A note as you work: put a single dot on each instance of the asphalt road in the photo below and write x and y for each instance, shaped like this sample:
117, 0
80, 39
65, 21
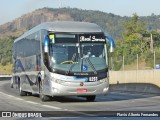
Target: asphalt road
76, 107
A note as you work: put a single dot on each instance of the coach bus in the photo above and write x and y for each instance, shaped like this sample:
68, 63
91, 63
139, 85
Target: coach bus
61, 59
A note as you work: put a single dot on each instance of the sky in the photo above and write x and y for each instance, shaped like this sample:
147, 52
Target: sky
11, 9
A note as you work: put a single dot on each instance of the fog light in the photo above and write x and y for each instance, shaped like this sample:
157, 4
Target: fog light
55, 90
105, 90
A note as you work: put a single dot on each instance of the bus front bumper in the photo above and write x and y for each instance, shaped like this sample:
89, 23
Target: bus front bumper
80, 88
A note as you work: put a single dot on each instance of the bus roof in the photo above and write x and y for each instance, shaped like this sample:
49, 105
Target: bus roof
64, 26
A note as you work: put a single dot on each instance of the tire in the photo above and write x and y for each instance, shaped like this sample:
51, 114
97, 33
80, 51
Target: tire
43, 97
91, 98
11, 85
29, 94
21, 92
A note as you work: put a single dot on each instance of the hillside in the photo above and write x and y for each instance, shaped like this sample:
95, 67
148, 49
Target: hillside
112, 24
109, 22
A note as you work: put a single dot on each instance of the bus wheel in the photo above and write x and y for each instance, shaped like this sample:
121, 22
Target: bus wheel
11, 85
42, 96
91, 98
29, 93
21, 92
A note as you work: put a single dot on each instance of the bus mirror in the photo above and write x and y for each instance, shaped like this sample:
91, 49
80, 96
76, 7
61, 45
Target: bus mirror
46, 43
111, 43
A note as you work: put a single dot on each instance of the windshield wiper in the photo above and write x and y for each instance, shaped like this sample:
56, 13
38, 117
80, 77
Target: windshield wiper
90, 63
92, 66
73, 57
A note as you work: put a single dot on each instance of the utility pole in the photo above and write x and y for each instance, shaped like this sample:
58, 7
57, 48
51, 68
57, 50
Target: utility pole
151, 44
123, 63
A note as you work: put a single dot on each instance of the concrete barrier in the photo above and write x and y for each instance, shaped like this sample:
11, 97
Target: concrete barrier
5, 77
147, 81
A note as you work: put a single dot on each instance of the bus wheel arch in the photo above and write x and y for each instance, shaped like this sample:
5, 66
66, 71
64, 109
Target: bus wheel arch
21, 92
40, 90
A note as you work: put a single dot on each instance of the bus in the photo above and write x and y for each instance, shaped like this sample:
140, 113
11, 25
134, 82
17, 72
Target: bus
61, 58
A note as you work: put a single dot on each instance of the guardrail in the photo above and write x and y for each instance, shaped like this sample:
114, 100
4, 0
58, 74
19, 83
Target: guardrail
5, 77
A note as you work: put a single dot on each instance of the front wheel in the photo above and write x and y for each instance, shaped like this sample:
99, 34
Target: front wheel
41, 95
91, 98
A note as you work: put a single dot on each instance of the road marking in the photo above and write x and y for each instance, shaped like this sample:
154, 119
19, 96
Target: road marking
6, 94
11, 96
35, 103
32, 102
19, 98
57, 108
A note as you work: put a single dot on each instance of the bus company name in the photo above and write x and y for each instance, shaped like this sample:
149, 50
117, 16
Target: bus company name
91, 39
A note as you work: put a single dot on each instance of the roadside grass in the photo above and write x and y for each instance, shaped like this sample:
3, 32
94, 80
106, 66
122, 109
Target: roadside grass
6, 70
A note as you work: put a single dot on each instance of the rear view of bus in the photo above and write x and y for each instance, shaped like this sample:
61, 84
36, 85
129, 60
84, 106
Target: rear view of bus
73, 61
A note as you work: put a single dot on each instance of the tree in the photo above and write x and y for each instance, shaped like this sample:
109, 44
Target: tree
132, 42
133, 35
5, 50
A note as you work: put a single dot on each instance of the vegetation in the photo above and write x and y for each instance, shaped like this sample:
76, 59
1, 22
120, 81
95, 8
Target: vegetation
5, 50
6, 55
7, 69
136, 40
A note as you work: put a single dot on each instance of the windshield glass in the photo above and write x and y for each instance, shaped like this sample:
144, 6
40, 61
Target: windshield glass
77, 53
76, 57
63, 54
93, 50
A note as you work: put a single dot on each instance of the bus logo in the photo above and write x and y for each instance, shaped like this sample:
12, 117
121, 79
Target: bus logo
85, 67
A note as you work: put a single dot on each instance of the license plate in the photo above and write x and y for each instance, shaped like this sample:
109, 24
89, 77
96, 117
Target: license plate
81, 90
93, 79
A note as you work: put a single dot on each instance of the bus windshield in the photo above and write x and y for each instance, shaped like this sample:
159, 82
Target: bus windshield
78, 57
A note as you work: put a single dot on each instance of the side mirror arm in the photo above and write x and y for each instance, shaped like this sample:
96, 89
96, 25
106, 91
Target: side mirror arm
111, 43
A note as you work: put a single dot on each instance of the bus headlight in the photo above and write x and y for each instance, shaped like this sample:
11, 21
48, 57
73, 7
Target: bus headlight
103, 80
58, 81
55, 90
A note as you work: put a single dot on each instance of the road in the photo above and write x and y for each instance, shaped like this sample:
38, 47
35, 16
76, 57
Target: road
114, 101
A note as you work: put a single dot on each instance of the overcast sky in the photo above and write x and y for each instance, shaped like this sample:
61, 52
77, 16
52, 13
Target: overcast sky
11, 9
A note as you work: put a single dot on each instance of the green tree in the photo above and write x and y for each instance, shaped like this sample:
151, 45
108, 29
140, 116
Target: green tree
5, 50
132, 41
133, 36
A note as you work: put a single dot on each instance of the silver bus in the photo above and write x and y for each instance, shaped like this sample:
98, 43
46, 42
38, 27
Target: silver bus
61, 59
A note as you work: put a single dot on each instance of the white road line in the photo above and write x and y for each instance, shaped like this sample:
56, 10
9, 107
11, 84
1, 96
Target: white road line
19, 98
11, 96
53, 107
2, 93
6, 94
32, 102
48, 106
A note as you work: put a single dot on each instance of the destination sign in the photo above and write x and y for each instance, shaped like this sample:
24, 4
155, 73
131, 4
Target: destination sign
75, 38
92, 38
